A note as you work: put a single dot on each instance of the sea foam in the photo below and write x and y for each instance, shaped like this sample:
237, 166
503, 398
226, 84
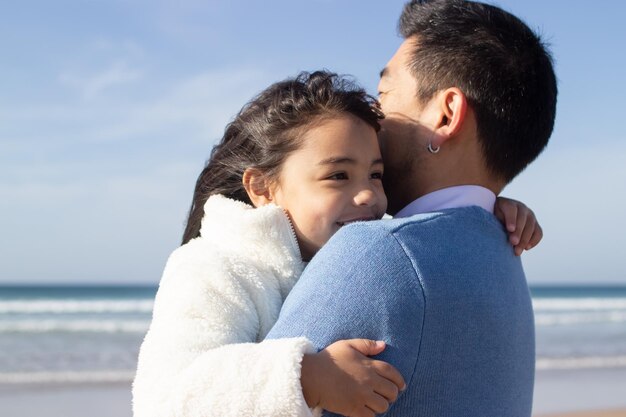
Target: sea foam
581, 362
53, 306
97, 326
14, 378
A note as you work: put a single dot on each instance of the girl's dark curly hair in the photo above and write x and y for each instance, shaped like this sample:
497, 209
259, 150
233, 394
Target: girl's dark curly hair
269, 128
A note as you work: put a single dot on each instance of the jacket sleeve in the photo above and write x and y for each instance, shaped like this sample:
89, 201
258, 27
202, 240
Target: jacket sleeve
195, 359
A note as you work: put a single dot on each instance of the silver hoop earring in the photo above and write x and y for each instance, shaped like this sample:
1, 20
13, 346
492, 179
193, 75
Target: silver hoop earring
430, 148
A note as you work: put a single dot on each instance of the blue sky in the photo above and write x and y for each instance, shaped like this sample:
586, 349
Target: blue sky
108, 110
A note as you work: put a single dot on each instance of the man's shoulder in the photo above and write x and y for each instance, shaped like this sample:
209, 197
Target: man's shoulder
363, 248
389, 226
383, 239
424, 223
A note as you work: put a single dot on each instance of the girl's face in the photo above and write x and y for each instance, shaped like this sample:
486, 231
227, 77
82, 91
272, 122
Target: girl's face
335, 178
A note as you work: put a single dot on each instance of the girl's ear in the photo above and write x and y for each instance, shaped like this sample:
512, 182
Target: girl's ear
257, 187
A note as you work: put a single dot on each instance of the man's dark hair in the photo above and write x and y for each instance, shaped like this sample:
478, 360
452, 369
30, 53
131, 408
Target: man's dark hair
500, 64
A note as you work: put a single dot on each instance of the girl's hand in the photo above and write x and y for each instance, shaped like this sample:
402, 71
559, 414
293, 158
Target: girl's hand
344, 380
520, 222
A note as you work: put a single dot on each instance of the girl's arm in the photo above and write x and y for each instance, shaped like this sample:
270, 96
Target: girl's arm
344, 380
521, 223
194, 360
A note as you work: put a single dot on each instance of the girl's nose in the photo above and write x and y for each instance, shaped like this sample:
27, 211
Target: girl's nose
365, 197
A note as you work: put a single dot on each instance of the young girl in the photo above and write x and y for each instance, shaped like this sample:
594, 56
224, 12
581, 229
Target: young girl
298, 162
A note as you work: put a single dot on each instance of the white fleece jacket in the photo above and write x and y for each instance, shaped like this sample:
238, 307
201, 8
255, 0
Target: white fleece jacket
219, 295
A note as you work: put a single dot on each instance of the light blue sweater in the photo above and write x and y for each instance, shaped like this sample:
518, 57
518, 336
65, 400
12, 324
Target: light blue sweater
447, 294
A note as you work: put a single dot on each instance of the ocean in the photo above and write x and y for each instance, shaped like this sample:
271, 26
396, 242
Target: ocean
71, 334
61, 334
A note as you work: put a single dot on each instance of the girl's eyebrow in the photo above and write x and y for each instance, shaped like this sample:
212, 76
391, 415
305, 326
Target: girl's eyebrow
345, 160
336, 160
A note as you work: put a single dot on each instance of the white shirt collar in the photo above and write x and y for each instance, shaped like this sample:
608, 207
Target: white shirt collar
451, 197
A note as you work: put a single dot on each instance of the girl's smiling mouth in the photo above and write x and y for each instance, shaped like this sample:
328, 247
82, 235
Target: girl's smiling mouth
360, 219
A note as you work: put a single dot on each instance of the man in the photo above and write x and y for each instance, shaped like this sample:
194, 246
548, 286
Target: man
470, 100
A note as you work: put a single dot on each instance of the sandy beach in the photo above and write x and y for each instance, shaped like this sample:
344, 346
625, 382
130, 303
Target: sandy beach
566, 393
93, 400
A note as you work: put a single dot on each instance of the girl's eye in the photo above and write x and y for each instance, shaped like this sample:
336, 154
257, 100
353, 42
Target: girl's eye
377, 176
339, 176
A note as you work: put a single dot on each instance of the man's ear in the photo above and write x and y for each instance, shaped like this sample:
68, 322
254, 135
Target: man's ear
257, 187
452, 106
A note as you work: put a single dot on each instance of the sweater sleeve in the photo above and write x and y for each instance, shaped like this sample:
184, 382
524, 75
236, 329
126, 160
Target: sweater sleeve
196, 359
361, 284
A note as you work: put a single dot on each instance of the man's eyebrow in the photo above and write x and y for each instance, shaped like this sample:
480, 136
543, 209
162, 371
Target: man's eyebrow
383, 72
344, 160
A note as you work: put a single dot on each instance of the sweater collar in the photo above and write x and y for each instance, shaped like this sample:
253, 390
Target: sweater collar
451, 197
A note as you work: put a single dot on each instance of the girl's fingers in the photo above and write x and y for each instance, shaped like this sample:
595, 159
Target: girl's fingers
364, 412
377, 403
386, 389
366, 347
506, 211
389, 372
526, 236
535, 238
520, 226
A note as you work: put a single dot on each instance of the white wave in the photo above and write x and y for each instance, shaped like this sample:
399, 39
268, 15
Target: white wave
581, 363
555, 304
76, 306
66, 377
580, 318
98, 326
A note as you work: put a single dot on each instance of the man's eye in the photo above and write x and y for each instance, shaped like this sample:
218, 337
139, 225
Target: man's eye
338, 176
377, 176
